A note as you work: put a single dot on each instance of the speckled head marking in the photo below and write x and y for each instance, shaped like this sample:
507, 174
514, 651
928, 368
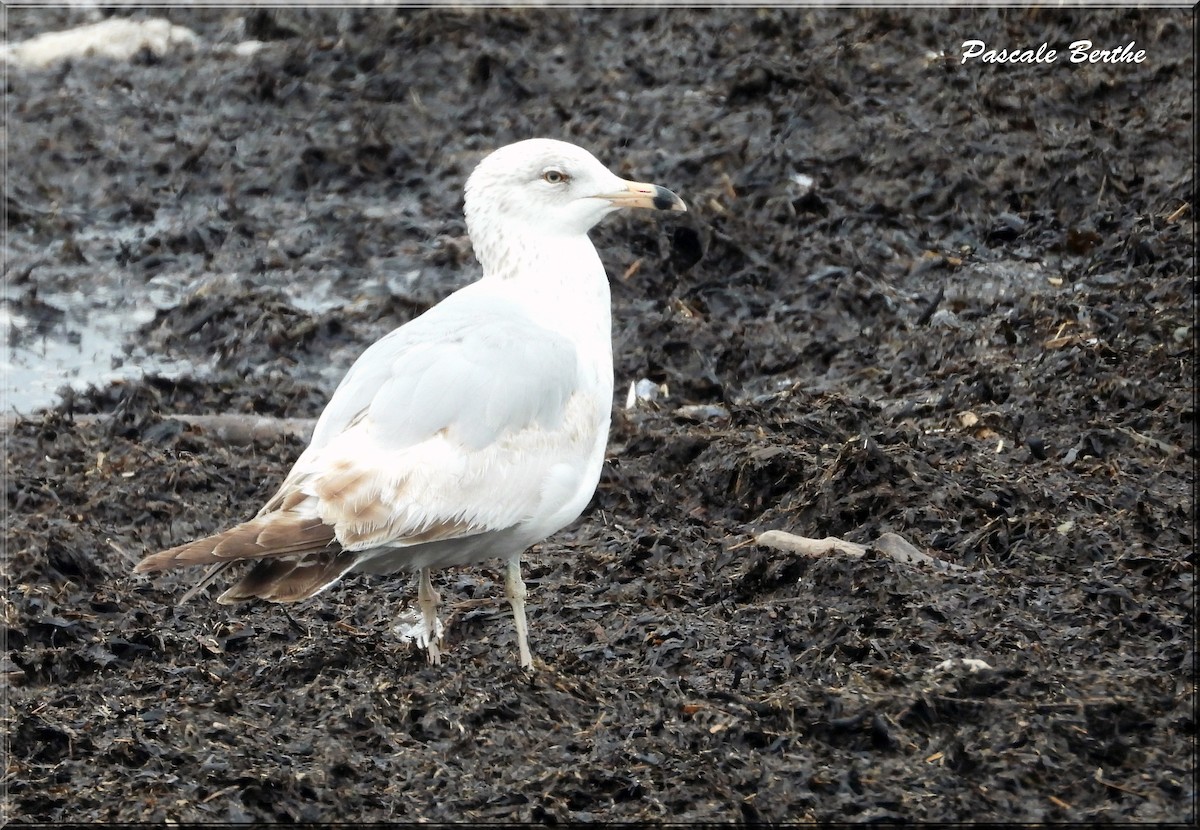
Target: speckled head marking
546, 188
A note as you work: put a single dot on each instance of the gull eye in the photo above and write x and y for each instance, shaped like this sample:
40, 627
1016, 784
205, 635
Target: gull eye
553, 176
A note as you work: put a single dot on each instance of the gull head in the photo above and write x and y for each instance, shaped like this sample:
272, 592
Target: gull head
550, 187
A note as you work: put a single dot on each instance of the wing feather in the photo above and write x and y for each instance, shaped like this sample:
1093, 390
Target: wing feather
409, 447
449, 427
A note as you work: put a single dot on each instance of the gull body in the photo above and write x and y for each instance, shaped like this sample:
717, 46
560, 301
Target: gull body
471, 432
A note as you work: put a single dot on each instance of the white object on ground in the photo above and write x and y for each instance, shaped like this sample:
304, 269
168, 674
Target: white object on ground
971, 664
644, 391
117, 38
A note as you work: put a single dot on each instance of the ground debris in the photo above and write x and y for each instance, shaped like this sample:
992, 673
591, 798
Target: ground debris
890, 544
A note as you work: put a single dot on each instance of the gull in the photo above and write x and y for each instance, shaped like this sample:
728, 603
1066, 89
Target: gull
474, 430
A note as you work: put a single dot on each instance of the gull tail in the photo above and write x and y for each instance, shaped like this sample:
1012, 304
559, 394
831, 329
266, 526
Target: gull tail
294, 558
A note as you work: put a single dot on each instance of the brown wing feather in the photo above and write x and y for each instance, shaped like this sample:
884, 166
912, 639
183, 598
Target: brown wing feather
275, 534
296, 557
286, 580
260, 577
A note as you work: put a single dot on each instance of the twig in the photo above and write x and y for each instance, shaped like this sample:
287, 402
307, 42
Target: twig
1100, 779
233, 428
781, 540
1179, 212
890, 544
1170, 449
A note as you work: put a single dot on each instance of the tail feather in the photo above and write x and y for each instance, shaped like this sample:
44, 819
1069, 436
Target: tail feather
294, 558
272, 535
209, 577
287, 580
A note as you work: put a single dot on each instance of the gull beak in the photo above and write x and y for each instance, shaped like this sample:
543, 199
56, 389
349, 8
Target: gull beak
641, 195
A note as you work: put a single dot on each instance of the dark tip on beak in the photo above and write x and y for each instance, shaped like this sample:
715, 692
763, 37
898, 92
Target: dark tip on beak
666, 200
663, 198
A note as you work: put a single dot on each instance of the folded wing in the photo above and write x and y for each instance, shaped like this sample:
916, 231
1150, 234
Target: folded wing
445, 428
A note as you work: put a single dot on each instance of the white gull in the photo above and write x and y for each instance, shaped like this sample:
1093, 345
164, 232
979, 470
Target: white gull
471, 432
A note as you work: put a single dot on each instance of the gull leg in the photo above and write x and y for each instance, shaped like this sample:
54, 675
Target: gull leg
428, 598
514, 587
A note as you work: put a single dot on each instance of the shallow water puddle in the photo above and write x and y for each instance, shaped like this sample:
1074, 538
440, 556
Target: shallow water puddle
62, 339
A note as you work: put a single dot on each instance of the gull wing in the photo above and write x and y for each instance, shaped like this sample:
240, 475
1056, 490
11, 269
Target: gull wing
450, 426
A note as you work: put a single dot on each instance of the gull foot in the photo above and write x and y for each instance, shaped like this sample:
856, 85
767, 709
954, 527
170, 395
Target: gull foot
412, 627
